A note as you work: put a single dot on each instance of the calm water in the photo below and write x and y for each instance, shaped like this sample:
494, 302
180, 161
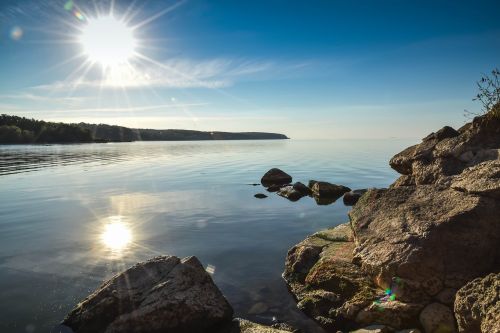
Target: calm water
71, 216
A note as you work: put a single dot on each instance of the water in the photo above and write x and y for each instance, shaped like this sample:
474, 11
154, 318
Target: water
71, 216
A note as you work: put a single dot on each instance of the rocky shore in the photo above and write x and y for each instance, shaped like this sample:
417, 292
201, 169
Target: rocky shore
420, 256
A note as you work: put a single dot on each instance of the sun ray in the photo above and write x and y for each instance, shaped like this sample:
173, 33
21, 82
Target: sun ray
158, 15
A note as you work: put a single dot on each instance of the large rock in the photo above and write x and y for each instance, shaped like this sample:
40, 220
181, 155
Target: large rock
328, 286
419, 241
431, 236
445, 153
477, 305
164, 294
275, 176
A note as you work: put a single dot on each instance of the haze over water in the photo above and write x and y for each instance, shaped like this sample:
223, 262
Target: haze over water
71, 216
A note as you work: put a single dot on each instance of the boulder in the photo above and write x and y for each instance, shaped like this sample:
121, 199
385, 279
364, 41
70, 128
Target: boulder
290, 193
260, 196
445, 154
325, 189
321, 275
164, 294
275, 176
300, 187
350, 198
437, 318
477, 305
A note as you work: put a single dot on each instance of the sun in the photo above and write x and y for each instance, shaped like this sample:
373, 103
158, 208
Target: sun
108, 41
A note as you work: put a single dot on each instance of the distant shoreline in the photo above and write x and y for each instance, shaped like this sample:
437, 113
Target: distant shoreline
20, 130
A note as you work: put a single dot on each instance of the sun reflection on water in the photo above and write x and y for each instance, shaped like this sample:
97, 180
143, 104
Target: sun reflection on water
116, 234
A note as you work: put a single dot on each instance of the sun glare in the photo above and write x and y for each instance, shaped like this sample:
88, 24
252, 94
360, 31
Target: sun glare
108, 41
116, 234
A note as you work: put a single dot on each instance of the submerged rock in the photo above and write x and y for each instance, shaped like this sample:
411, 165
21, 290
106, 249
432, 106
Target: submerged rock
164, 294
275, 176
260, 196
477, 305
350, 198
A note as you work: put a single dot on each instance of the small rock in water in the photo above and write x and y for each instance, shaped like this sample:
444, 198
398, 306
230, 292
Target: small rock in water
260, 196
290, 193
325, 189
350, 198
275, 176
300, 187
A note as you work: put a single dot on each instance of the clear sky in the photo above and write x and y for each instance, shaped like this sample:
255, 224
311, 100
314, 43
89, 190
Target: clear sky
309, 69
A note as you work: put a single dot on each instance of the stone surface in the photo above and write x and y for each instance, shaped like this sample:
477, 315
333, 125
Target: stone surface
164, 294
275, 176
482, 179
290, 193
352, 197
437, 318
427, 235
477, 305
320, 273
260, 196
325, 189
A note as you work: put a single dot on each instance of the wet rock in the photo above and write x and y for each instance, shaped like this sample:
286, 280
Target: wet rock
477, 305
303, 189
350, 198
290, 193
325, 189
275, 176
436, 318
311, 183
164, 294
260, 196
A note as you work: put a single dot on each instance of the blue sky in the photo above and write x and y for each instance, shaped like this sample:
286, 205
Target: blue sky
309, 69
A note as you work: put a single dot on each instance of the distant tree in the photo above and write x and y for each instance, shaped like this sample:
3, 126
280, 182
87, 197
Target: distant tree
489, 94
